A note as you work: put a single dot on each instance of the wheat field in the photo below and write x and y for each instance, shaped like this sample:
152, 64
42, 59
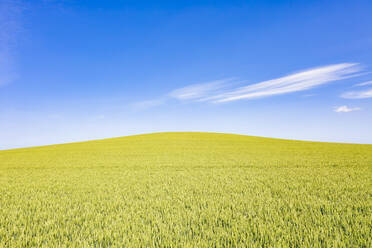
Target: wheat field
187, 190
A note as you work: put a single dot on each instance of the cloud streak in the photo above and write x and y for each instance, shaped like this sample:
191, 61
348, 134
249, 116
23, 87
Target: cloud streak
222, 90
358, 94
194, 92
295, 82
226, 90
363, 84
345, 109
202, 91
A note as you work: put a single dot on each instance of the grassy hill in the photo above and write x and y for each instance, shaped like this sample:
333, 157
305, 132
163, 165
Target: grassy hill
187, 190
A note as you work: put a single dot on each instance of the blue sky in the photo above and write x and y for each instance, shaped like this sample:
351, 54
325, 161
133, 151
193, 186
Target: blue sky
81, 70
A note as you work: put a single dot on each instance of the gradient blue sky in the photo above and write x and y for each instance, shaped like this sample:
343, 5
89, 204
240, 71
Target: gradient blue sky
81, 70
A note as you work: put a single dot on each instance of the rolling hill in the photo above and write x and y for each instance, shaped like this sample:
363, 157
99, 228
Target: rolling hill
187, 190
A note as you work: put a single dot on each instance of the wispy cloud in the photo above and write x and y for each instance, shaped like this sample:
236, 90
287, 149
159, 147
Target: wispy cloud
227, 90
345, 109
193, 92
300, 81
203, 90
9, 28
357, 94
363, 84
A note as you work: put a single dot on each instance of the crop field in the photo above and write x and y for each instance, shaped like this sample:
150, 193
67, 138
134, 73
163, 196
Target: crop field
187, 190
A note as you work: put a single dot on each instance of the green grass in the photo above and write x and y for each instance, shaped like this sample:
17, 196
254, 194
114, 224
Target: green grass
187, 190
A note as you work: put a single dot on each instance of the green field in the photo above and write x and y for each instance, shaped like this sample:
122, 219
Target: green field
187, 190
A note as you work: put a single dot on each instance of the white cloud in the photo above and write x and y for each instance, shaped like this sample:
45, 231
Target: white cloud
364, 84
357, 94
300, 81
225, 90
201, 91
345, 109
193, 92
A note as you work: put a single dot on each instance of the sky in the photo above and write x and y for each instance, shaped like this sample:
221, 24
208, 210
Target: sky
83, 70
